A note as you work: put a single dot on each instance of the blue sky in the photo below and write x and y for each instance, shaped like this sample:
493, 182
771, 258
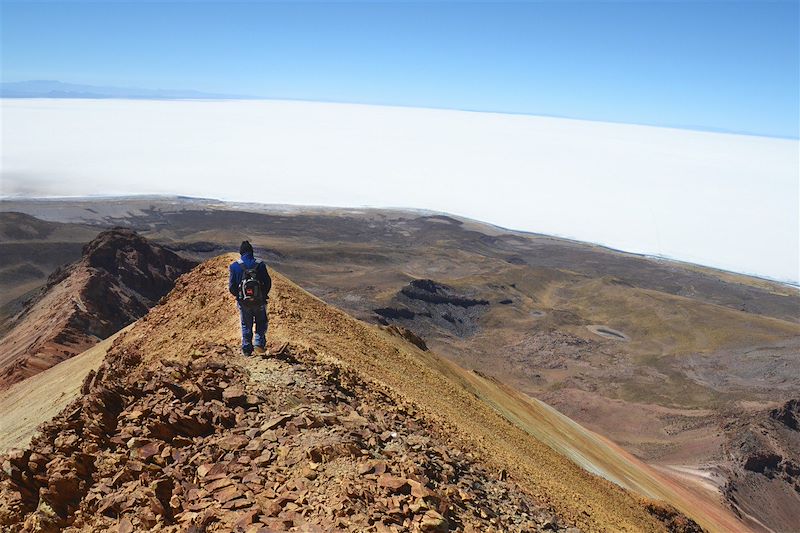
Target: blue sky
725, 66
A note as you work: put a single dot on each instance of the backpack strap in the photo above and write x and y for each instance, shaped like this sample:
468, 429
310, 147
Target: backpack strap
245, 270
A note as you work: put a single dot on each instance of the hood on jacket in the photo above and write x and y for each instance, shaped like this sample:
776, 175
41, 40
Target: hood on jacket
249, 260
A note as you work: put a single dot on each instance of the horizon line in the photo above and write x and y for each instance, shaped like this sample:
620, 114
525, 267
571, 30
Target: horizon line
232, 97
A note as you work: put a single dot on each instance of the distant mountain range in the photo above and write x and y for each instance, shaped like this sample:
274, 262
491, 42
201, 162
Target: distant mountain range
58, 89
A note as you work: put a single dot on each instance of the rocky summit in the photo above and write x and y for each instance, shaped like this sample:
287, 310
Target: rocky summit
119, 277
342, 426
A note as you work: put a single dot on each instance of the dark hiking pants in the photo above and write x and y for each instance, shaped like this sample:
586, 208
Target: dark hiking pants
249, 316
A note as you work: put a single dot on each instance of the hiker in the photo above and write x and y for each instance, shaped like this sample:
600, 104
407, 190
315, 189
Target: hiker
250, 283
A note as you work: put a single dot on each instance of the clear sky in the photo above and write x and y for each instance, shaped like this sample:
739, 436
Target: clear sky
725, 65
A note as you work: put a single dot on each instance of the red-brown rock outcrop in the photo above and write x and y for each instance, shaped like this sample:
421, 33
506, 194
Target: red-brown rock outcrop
118, 278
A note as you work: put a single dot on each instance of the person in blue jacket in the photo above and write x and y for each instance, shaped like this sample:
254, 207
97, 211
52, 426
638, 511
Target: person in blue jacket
253, 304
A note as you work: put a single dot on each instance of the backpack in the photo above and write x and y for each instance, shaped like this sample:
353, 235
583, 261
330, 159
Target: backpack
251, 293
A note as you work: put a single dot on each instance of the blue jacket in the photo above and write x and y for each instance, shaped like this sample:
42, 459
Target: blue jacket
236, 272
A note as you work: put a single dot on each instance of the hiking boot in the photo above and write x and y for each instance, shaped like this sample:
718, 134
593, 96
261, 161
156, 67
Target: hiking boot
260, 350
247, 352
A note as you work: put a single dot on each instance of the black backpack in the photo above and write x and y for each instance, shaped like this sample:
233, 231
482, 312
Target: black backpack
251, 293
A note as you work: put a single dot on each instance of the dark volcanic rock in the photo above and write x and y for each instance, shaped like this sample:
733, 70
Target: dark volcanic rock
763, 475
762, 462
788, 414
395, 312
430, 291
426, 306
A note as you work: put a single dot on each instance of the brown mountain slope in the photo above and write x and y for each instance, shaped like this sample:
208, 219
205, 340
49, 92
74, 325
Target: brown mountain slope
436, 427
118, 278
282, 443
31, 249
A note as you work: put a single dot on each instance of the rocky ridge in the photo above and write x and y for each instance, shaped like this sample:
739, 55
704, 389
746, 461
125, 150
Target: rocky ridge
119, 277
283, 443
763, 471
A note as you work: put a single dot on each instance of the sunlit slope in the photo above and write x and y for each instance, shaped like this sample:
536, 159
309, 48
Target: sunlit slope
595, 453
39, 398
200, 313
655, 321
665, 323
